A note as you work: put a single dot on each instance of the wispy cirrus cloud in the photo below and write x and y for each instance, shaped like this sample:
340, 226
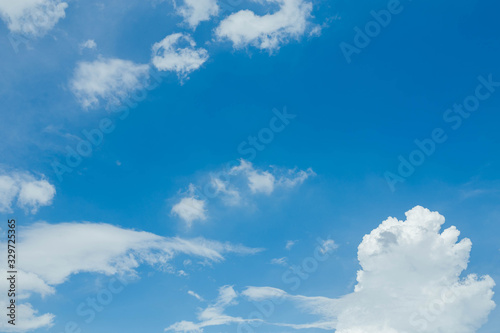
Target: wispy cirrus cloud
283, 261
49, 259
290, 244
195, 295
266, 181
107, 249
213, 315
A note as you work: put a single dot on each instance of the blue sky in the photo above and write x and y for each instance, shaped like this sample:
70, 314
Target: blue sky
177, 92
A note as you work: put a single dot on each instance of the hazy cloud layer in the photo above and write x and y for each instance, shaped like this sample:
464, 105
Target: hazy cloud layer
107, 81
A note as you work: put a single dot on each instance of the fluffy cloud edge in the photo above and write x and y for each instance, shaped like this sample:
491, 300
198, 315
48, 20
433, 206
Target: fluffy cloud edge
196, 11
268, 32
25, 190
32, 18
178, 53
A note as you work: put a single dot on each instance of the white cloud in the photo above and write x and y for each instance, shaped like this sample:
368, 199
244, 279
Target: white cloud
32, 17
327, 246
27, 318
410, 282
213, 315
108, 80
196, 11
280, 261
293, 177
263, 181
290, 244
190, 208
34, 194
229, 195
409, 267
31, 193
262, 293
8, 191
103, 248
270, 31
234, 186
178, 53
88, 44
51, 253
33, 284
195, 295
323, 307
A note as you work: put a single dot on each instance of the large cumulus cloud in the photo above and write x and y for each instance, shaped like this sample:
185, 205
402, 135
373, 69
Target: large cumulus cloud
411, 281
